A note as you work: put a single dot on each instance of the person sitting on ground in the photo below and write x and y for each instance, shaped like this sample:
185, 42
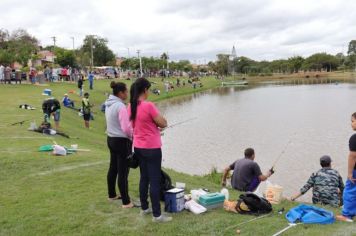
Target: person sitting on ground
247, 174
67, 102
327, 185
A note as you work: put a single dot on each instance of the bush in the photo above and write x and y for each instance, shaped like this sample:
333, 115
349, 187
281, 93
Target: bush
214, 176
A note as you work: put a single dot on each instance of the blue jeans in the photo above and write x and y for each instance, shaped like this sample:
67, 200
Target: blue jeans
150, 161
349, 197
91, 84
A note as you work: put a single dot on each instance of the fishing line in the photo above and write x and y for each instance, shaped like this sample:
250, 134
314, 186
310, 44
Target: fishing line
182, 122
283, 151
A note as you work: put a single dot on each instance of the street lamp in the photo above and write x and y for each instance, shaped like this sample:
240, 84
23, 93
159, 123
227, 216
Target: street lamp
138, 55
72, 42
128, 53
91, 51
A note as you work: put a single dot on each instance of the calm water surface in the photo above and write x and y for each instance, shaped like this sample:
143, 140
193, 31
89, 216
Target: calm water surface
316, 118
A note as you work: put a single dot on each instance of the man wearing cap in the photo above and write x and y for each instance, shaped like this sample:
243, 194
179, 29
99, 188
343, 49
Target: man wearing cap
327, 185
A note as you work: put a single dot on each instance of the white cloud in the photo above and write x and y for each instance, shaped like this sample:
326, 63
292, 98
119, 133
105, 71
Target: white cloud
260, 29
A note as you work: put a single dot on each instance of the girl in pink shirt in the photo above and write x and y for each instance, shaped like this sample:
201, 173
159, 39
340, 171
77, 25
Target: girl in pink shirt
147, 122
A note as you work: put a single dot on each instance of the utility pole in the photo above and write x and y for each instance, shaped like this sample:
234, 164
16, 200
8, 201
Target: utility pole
167, 62
128, 53
54, 41
138, 55
92, 54
72, 42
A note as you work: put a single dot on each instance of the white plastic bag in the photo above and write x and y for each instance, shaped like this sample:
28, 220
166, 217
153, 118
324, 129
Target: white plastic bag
59, 150
194, 207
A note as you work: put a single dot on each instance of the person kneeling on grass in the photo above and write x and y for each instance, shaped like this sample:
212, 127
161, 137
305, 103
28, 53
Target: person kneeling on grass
326, 183
247, 174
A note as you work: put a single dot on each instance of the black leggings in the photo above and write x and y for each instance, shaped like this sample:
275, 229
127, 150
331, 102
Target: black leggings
150, 161
119, 150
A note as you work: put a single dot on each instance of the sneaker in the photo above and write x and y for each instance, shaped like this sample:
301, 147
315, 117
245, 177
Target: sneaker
162, 219
344, 219
145, 212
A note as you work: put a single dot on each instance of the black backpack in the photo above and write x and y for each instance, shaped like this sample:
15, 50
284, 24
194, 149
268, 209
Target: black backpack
166, 184
250, 203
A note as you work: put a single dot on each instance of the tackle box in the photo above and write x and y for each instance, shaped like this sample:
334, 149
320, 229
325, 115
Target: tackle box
212, 200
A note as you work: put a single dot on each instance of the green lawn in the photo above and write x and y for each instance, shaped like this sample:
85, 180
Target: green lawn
48, 195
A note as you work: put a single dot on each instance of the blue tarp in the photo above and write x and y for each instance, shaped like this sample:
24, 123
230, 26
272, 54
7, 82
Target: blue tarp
310, 215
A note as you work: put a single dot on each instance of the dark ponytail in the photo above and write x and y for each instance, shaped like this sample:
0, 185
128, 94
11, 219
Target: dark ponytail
117, 87
136, 90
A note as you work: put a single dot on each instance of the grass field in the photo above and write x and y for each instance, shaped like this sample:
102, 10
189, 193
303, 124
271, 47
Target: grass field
50, 195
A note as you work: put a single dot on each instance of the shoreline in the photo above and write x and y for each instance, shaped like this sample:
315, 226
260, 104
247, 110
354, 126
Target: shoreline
52, 200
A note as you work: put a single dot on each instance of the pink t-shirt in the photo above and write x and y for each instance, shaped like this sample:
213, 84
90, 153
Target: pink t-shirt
146, 133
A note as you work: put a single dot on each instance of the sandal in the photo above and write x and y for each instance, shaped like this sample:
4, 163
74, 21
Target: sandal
114, 198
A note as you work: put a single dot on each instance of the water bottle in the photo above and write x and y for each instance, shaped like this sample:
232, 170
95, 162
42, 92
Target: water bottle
225, 191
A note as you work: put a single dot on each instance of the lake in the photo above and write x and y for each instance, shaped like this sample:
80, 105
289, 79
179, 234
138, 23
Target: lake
313, 119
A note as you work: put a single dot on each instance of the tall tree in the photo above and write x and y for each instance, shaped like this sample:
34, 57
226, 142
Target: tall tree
65, 57
18, 46
352, 47
222, 64
102, 54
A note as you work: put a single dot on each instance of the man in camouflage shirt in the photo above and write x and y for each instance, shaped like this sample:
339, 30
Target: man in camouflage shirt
327, 185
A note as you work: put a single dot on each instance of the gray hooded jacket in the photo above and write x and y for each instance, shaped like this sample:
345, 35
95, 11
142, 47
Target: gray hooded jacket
113, 106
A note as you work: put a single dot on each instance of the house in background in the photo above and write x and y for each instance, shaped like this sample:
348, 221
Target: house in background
44, 58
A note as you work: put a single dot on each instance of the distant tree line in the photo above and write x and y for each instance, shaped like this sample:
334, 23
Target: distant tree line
19, 46
226, 65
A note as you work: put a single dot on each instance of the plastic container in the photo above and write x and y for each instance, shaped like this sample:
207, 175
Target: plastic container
194, 207
174, 200
274, 194
212, 200
225, 191
196, 193
47, 92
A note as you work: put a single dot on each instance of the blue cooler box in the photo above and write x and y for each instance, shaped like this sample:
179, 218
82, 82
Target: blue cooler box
212, 200
174, 200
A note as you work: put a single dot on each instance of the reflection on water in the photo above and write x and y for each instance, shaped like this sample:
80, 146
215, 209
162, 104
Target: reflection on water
315, 117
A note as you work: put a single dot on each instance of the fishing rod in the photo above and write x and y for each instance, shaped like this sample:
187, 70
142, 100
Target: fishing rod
248, 221
290, 225
283, 151
175, 124
182, 122
20, 122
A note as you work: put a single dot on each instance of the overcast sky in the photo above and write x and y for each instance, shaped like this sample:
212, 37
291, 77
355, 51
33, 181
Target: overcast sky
191, 29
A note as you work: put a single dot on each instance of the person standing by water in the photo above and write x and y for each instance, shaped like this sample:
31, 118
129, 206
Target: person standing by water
147, 122
119, 131
349, 196
86, 108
